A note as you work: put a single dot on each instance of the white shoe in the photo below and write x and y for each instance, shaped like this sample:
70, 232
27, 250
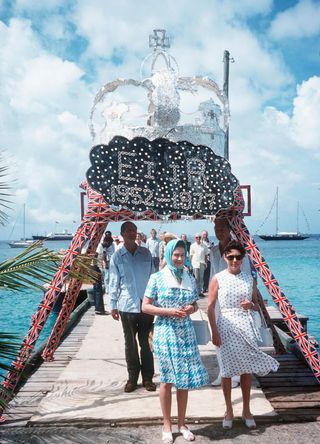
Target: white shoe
216, 382
227, 423
250, 423
187, 434
167, 437
235, 382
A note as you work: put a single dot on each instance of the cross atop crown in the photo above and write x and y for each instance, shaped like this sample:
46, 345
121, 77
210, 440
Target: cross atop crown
159, 39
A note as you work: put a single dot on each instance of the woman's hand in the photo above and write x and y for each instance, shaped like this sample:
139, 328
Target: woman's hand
189, 309
177, 312
246, 305
216, 340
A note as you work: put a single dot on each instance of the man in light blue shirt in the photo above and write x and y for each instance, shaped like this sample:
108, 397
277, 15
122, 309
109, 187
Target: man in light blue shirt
130, 269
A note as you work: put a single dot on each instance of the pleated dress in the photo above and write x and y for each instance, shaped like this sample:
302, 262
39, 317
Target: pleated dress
174, 341
239, 352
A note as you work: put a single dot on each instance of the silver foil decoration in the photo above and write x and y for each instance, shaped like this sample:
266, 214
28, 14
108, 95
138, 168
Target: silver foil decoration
151, 107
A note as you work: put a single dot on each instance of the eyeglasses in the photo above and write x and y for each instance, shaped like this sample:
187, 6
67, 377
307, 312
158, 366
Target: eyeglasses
197, 237
238, 257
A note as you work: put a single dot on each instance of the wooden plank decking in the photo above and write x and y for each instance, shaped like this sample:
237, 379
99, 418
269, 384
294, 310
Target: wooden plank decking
42, 380
293, 391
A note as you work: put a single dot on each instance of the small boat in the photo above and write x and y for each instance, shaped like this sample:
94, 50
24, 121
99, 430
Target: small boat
23, 242
295, 235
283, 236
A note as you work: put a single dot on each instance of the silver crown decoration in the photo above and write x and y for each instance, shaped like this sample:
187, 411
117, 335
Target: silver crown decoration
162, 105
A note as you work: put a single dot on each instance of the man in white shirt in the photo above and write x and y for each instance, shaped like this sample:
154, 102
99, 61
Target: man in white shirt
153, 244
198, 257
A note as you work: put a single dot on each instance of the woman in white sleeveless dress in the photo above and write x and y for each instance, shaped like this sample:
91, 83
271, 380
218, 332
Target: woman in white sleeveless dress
234, 333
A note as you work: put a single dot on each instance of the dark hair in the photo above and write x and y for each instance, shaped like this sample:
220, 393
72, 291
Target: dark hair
181, 244
125, 225
234, 245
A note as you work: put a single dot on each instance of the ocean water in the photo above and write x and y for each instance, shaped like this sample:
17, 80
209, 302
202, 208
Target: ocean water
295, 265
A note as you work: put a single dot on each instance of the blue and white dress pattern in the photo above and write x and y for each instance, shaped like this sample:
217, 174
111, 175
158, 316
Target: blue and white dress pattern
239, 352
174, 341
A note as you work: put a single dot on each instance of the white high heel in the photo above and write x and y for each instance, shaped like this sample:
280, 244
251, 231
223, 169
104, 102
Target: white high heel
249, 422
227, 423
187, 434
167, 437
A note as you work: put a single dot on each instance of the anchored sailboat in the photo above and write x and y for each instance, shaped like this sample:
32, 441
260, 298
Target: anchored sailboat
295, 235
23, 242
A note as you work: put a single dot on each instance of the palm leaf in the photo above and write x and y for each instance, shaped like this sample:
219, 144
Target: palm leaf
9, 347
36, 265
29, 268
4, 188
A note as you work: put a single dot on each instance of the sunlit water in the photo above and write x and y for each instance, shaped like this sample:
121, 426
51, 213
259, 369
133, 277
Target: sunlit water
295, 265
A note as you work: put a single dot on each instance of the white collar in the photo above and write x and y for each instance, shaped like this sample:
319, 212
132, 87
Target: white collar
172, 282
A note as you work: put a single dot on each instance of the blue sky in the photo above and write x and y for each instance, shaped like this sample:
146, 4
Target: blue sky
55, 56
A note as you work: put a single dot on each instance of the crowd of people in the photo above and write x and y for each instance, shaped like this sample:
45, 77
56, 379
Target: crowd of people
154, 285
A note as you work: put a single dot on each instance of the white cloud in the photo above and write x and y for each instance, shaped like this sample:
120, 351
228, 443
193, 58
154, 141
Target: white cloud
45, 100
306, 112
302, 20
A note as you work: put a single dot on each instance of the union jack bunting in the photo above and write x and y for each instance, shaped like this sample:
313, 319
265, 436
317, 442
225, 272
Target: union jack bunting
283, 304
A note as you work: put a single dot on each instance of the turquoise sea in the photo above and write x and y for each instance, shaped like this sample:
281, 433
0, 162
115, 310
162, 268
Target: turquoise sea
295, 265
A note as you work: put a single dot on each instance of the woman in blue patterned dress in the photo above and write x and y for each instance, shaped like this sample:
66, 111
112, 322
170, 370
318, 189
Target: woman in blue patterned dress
171, 295
234, 333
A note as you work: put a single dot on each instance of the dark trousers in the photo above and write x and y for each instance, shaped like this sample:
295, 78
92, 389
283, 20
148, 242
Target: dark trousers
140, 324
98, 296
206, 277
156, 262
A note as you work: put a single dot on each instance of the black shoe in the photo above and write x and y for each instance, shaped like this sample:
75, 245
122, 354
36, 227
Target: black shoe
201, 295
130, 386
149, 386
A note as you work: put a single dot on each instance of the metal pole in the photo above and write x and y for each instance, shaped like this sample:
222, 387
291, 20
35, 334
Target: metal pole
226, 63
277, 210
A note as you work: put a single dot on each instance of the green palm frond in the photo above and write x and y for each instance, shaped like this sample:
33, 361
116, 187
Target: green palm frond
9, 347
4, 195
82, 269
29, 268
35, 265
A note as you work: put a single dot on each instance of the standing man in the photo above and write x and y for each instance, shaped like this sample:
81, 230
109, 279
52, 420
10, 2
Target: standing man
105, 250
130, 269
153, 244
206, 277
185, 240
198, 256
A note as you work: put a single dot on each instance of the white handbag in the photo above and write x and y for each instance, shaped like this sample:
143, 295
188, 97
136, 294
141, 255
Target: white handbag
201, 329
263, 329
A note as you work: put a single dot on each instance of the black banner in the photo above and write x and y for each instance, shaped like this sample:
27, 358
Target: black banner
162, 176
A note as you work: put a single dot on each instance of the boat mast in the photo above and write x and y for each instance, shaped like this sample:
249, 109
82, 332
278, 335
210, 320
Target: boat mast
277, 210
298, 209
24, 221
226, 63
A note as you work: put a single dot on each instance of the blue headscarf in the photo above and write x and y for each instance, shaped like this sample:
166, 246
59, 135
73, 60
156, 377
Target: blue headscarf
168, 252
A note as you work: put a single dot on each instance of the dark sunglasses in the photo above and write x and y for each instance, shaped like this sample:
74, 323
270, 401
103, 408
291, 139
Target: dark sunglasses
231, 257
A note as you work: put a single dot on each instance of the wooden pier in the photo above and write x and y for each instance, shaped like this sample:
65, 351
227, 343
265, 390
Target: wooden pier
84, 385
